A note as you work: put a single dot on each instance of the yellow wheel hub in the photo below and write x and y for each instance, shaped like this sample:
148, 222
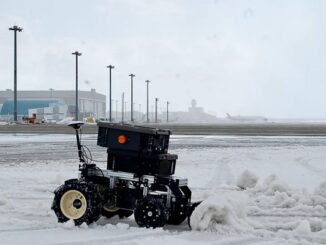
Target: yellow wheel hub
73, 204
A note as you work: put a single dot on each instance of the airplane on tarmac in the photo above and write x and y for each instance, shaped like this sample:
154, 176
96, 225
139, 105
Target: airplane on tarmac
247, 118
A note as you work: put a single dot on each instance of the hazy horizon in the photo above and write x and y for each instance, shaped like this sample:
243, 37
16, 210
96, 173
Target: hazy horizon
240, 57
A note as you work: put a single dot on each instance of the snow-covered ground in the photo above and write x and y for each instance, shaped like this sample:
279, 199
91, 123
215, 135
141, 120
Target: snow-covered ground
257, 190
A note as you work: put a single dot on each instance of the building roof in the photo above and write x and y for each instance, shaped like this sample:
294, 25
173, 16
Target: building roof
67, 95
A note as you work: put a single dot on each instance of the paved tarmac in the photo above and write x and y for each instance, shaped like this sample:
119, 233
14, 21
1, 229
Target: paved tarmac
258, 129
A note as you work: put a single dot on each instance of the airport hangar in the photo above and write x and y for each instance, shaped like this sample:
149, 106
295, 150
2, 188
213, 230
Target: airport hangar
53, 104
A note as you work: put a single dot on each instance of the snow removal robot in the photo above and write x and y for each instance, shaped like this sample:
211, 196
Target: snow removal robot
138, 180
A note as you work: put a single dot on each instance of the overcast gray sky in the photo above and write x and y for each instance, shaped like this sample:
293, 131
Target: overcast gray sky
248, 57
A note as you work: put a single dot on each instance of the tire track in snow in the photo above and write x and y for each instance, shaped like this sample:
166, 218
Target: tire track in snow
222, 173
305, 162
60, 236
242, 241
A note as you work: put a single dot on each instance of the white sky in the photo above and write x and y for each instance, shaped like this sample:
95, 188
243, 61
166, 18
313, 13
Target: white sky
249, 57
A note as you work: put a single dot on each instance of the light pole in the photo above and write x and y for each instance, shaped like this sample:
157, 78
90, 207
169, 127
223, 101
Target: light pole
15, 29
125, 109
76, 53
147, 81
161, 116
110, 110
132, 97
156, 100
116, 109
167, 111
122, 106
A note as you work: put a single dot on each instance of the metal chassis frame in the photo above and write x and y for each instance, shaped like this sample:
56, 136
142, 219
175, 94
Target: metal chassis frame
145, 180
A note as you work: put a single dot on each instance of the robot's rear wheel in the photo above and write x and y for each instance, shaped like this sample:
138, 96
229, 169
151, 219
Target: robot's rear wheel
79, 201
150, 212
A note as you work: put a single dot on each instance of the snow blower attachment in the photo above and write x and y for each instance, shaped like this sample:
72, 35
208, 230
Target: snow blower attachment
138, 180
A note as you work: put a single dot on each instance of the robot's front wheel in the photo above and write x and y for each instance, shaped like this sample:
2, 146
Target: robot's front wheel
178, 215
78, 201
150, 212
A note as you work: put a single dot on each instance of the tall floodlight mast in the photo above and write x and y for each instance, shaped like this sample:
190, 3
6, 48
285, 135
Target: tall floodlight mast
122, 106
132, 97
76, 53
167, 111
15, 29
110, 93
147, 118
156, 100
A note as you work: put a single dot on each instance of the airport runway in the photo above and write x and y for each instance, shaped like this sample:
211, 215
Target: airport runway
258, 129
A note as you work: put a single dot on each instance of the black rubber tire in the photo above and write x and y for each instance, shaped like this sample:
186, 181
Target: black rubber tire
150, 212
92, 201
121, 212
178, 216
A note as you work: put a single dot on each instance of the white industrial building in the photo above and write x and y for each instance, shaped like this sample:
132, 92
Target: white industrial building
53, 104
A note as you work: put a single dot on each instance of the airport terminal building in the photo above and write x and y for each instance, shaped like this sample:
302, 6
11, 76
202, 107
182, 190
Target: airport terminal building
53, 104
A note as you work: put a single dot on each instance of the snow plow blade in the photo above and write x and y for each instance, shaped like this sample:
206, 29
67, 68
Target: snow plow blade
194, 205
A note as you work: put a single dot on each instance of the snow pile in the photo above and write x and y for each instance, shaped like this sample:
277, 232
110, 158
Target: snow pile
317, 224
275, 197
321, 189
70, 225
272, 185
247, 180
317, 202
298, 212
303, 228
224, 213
284, 200
307, 229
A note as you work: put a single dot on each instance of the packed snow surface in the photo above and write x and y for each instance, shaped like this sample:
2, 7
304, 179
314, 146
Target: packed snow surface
255, 190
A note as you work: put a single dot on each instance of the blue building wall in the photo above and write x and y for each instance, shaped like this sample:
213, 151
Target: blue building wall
24, 105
